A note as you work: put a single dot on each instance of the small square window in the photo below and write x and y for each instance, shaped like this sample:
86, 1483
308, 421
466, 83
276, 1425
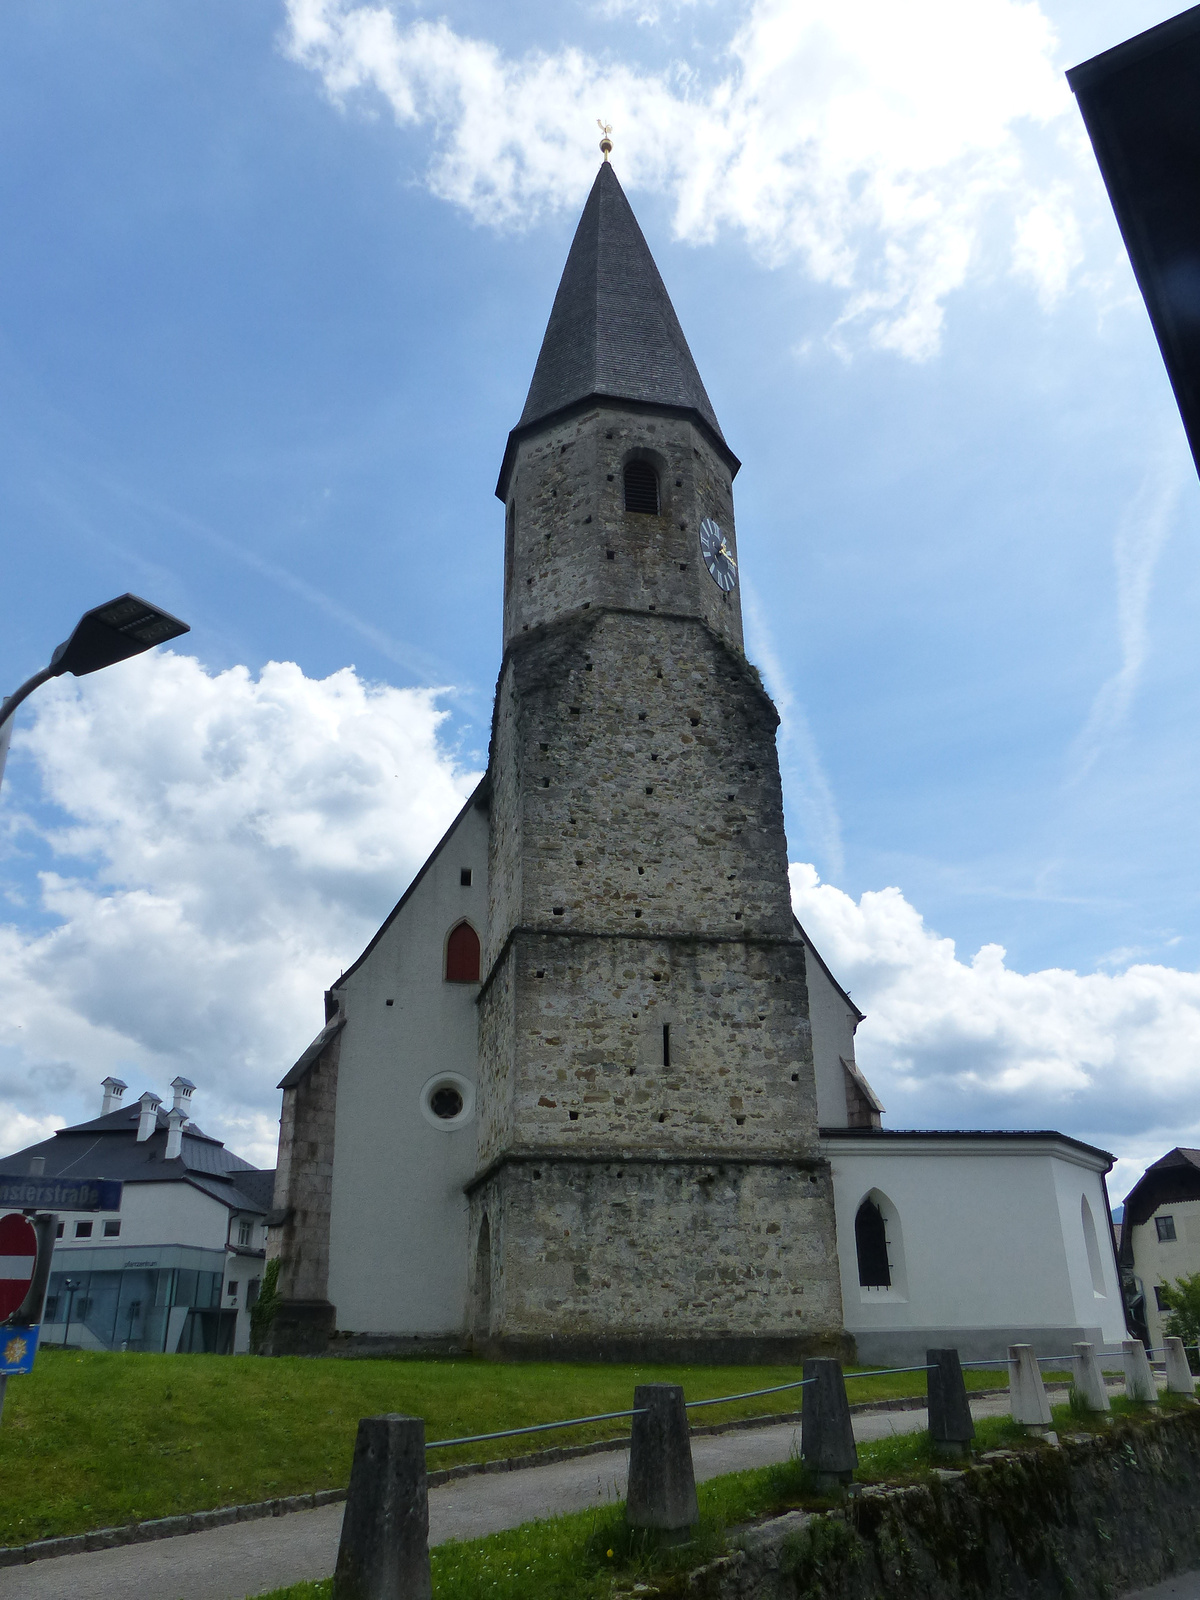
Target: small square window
1158, 1298
1165, 1228
58, 1232
83, 1230
231, 1291
464, 877
112, 1230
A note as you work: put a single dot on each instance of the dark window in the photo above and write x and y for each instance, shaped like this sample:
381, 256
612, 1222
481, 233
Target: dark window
231, 1290
462, 955
112, 1230
50, 1309
83, 1230
446, 1102
58, 1232
464, 877
1165, 1228
641, 488
1158, 1298
870, 1240
666, 1044
252, 1288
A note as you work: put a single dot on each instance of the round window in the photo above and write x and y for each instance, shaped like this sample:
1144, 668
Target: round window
448, 1100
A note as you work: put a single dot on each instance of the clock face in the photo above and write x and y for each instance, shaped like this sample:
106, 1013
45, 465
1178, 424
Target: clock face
718, 557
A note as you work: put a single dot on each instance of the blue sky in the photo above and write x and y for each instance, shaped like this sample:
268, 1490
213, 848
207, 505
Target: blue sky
272, 284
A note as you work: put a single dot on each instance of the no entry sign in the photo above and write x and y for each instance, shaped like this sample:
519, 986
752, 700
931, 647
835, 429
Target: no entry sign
18, 1257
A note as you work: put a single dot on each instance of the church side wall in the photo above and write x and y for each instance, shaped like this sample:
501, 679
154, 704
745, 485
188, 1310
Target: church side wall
832, 1040
980, 1247
398, 1224
1101, 1302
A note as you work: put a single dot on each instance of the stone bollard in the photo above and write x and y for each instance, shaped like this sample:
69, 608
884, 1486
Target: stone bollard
1139, 1380
1089, 1380
661, 1492
1027, 1392
951, 1427
384, 1553
1179, 1374
826, 1434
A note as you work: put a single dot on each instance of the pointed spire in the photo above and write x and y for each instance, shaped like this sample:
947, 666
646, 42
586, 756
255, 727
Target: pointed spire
613, 331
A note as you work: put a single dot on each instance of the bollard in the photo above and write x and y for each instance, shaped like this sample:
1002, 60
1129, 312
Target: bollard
1139, 1380
826, 1434
1179, 1374
661, 1492
951, 1427
384, 1553
1027, 1392
1089, 1380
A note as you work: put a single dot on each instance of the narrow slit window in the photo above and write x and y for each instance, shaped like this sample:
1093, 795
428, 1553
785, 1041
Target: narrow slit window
666, 1044
641, 488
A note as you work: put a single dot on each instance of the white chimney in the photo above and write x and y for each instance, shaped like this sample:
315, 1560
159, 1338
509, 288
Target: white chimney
175, 1122
37, 1166
113, 1090
148, 1115
184, 1089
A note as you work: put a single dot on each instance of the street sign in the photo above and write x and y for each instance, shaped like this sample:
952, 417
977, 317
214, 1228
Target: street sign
61, 1194
18, 1257
18, 1346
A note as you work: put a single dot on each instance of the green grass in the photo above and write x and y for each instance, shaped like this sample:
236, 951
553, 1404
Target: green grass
91, 1439
591, 1555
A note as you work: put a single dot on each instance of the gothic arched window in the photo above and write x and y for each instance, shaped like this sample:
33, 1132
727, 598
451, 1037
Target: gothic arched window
870, 1241
462, 955
641, 488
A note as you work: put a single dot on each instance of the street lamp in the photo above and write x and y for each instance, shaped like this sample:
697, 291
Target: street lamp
72, 1286
107, 634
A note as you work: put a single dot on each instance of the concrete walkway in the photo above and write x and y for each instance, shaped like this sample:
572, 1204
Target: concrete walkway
248, 1558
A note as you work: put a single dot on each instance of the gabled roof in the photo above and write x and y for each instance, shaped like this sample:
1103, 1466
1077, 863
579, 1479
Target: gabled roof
613, 333
1173, 1177
108, 1147
861, 1016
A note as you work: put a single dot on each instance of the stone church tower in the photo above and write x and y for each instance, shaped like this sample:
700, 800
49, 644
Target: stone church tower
649, 1180
565, 1101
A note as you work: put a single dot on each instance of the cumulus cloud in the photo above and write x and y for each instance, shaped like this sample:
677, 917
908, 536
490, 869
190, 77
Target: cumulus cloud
881, 148
227, 845
1109, 1057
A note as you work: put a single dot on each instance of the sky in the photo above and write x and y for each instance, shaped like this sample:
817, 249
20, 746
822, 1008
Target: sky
273, 278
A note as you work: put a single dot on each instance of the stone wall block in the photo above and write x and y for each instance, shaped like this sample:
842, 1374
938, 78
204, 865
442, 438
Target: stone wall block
661, 1492
826, 1434
1089, 1380
1027, 1392
1179, 1374
384, 1550
951, 1426
1139, 1379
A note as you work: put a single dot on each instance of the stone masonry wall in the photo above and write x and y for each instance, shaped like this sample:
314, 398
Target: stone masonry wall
570, 541
304, 1180
711, 1260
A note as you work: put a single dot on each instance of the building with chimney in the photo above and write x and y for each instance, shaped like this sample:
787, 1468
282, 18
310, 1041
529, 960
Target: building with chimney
178, 1267
591, 1091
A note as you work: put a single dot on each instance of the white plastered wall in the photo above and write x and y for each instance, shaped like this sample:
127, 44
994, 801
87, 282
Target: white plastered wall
154, 1214
1158, 1261
398, 1244
989, 1241
833, 1022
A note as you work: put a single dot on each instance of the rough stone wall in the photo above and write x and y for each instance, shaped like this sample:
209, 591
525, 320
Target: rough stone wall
571, 542
1096, 1516
717, 1260
304, 1180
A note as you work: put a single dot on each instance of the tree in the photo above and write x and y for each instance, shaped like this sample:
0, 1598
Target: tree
262, 1312
1183, 1300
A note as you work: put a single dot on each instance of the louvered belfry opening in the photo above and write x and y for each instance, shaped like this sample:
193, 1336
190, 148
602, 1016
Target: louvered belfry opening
641, 488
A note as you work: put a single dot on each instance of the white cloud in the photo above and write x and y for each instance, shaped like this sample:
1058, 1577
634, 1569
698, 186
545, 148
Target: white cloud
882, 148
228, 846
1109, 1057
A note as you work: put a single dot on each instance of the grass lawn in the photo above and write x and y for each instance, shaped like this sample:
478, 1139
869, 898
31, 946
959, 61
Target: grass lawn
92, 1439
590, 1555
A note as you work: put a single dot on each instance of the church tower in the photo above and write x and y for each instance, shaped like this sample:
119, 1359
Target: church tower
648, 1180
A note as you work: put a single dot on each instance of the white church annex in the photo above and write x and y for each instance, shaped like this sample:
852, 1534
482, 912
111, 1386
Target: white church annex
591, 1091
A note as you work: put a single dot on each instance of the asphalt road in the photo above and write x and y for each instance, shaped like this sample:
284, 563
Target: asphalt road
249, 1558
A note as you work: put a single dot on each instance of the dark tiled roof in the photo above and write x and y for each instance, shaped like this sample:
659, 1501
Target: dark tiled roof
1173, 1177
108, 1147
886, 1135
613, 332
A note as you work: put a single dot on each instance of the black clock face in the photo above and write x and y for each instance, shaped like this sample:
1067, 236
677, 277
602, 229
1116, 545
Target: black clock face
718, 557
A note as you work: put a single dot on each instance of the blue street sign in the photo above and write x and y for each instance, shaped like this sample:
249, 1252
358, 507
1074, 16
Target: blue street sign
60, 1194
18, 1346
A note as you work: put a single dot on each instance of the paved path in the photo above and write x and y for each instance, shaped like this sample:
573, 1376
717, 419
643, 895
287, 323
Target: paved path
1186, 1587
248, 1558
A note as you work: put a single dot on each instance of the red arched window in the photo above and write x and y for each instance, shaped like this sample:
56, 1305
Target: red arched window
462, 955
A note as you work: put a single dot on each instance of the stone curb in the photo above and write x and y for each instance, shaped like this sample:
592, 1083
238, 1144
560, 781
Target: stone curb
17, 1555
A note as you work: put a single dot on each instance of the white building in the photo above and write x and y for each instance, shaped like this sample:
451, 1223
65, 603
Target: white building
1160, 1236
177, 1268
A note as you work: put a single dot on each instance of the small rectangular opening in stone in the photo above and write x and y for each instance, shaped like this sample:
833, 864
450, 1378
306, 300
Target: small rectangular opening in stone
464, 877
666, 1044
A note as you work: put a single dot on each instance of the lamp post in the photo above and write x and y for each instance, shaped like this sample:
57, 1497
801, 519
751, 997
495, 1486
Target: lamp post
72, 1286
107, 634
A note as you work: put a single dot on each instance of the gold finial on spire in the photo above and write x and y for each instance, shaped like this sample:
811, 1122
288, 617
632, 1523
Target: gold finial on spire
606, 142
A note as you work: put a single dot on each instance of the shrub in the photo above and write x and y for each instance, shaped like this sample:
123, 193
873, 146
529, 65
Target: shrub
262, 1312
1183, 1298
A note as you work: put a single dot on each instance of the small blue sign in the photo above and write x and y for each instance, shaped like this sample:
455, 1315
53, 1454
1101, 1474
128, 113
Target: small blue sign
60, 1194
18, 1346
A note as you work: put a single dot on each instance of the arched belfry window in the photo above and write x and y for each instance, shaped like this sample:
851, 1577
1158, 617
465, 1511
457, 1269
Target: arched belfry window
870, 1241
641, 488
462, 955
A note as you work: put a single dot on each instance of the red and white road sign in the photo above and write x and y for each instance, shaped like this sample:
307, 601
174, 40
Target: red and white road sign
18, 1257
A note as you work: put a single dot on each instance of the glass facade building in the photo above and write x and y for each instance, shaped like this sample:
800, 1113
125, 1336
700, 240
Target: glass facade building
165, 1300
